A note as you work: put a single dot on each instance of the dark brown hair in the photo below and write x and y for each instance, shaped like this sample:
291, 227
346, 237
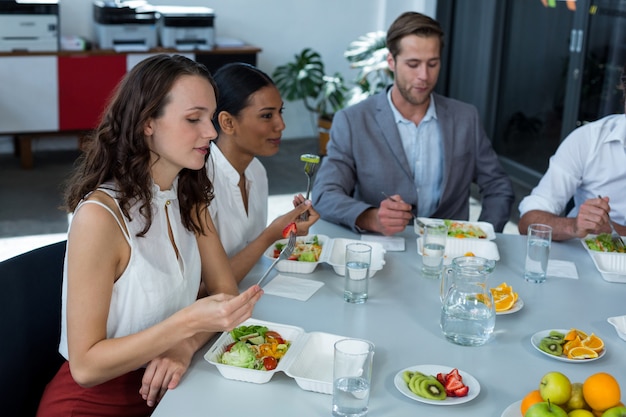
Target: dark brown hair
412, 23
118, 151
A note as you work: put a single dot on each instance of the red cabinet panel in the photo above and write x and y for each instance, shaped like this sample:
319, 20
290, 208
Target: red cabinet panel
85, 84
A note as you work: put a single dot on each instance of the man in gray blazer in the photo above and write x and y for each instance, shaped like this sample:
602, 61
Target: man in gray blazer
419, 148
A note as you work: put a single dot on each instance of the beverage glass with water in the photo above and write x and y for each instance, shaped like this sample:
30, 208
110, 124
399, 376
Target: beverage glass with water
537, 252
433, 248
352, 377
358, 258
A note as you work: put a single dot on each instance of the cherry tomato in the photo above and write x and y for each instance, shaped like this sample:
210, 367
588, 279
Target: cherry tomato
270, 334
276, 253
270, 363
229, 346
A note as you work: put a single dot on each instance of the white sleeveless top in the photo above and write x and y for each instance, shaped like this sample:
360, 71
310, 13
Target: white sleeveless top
155, 283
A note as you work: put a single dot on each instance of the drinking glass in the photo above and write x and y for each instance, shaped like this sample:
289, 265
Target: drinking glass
358, 258
433, 248
352, 377
537, 252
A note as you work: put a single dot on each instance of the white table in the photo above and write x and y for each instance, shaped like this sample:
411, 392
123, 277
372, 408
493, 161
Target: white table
402, 319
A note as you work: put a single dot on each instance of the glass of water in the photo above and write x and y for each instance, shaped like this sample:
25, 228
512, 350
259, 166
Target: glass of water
358, 258
352, 377
433, 248
537, 252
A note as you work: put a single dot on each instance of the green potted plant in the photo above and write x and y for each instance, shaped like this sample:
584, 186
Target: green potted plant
305, 79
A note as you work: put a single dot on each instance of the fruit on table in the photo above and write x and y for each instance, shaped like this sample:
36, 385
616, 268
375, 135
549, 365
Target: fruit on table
503, 297
555, 387
577, 399
545, 409
598, 396
619, 411
579, 412
576, 344
601, 391
437, 387
532, 398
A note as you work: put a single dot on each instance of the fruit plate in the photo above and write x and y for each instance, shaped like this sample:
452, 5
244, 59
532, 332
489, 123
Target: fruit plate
484, 226
536, 339
469, 380
516, 307
513, 410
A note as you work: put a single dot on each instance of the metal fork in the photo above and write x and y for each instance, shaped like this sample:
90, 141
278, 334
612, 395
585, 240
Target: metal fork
311, 163
615, 237
285, 253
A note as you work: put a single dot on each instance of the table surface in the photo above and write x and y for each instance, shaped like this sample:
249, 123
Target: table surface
401, 318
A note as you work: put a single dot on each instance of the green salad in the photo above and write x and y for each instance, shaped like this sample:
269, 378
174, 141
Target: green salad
603, 243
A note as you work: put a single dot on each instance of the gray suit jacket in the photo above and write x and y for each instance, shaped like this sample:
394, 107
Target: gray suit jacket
365, 157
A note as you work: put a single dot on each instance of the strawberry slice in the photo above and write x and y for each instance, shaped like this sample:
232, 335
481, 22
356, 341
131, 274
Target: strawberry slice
291, 227
461, 392
441, 378
455, 374
453, 384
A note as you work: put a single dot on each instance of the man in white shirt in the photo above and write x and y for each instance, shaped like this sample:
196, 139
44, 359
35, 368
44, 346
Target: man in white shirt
590, 166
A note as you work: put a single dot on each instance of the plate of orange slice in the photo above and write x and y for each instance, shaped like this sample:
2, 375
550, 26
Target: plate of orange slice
506, 300
576, 345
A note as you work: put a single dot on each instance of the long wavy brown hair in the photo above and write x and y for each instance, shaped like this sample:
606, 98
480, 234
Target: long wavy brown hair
118, 150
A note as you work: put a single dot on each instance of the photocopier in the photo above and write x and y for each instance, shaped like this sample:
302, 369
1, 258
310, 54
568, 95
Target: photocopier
29, 25
125, 25
186, 28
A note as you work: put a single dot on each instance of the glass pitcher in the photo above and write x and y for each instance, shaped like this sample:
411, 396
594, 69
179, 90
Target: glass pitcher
468, 314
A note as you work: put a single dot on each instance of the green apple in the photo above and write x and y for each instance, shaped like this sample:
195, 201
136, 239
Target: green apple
619, 411
555, 387
580, 413
545, 409
576, 400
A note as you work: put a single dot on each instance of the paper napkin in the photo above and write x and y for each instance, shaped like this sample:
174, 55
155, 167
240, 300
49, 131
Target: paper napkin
390, 243
562, 269
291, 287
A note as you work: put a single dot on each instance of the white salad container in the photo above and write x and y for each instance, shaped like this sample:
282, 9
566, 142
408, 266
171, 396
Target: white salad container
333, 253
309, 359
456, 247
611, 265
485, 226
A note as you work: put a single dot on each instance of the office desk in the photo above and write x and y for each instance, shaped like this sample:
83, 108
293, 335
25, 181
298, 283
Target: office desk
401, 318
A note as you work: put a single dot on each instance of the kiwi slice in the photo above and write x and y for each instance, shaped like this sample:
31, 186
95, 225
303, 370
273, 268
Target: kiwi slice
414, 383
432, 389
551, 346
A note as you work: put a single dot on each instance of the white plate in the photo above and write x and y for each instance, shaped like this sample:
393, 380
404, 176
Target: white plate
470, 381
513, 410
536, 339
516, 307
459, 247
485, 226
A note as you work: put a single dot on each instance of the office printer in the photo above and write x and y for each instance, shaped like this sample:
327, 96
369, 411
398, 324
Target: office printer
125, 25
29, 25
186, 28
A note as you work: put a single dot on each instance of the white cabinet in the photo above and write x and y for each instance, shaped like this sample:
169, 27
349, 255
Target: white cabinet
29, 99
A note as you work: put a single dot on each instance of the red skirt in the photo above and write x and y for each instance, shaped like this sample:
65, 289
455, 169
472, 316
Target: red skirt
115, 398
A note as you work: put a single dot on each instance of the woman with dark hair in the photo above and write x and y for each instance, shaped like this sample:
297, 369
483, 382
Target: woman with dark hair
140, 241
249, 122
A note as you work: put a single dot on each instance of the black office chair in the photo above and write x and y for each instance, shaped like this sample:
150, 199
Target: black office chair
30, 327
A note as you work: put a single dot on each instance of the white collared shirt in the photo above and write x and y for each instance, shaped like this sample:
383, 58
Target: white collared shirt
591, 161
235, 227
424, 150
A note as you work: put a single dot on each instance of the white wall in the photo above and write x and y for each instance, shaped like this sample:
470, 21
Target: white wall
281, 28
